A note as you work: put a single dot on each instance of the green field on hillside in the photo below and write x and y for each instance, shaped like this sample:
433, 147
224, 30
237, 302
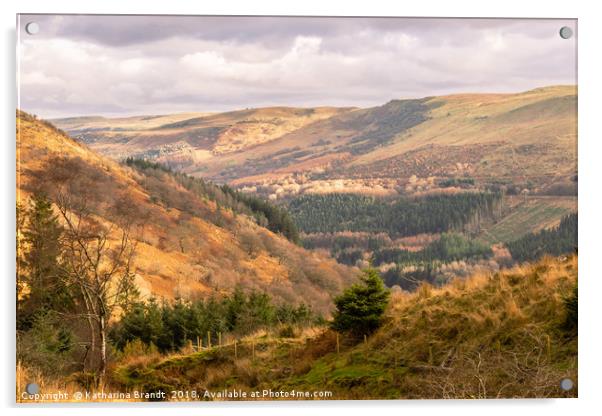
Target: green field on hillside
532, 215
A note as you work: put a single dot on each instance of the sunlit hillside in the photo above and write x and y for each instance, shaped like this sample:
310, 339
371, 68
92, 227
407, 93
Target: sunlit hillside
190, 139
187, 246
503, 335
526, 138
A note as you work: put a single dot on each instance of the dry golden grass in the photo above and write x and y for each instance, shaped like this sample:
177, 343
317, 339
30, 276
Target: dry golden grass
61, 389
489, 336
492, 335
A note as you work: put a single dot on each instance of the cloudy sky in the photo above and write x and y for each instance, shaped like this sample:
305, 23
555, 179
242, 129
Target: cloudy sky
125, 65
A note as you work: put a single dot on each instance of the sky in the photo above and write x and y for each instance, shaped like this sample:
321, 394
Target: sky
126, 65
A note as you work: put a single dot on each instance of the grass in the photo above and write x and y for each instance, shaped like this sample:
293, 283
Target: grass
501, 335
490, 336
67, 387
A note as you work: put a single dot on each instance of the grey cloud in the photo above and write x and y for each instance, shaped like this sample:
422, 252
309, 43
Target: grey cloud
120, 30
150, 64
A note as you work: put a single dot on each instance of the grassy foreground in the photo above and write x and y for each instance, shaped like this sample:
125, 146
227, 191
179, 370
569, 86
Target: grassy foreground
490, 336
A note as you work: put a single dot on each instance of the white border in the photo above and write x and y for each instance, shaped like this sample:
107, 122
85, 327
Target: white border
590, 178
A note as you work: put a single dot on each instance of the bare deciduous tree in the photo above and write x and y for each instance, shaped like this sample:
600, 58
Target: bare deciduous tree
98, 247
98, 266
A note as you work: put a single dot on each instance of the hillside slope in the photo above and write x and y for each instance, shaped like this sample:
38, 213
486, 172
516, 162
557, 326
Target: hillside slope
502, 335
526, 138
187, 245
188, 139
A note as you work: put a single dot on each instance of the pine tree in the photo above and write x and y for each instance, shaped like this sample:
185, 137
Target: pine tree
40, 258
360, 308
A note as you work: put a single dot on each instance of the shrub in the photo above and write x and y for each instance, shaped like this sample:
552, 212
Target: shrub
287, 331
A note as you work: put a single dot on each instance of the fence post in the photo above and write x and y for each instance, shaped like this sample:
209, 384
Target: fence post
198, 344
208, 339
219, 337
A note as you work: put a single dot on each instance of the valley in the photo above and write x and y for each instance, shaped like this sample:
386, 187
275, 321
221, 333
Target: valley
244, 231
520, 147
285, 208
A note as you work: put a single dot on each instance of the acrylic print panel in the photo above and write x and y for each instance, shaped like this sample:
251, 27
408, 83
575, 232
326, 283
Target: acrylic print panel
299, 208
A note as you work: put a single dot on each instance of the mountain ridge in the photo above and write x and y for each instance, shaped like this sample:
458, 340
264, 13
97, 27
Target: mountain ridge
525, 136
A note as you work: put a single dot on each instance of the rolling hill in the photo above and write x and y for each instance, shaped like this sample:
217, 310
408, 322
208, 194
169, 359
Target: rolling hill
188, 139
188, 246
527, 139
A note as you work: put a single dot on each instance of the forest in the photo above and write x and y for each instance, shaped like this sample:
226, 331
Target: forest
268, 215
555, 242
397, 217
417, 239
449, 247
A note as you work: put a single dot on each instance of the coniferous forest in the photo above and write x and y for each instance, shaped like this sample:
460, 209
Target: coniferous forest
396, 217
170, 326
266, 214
554, 242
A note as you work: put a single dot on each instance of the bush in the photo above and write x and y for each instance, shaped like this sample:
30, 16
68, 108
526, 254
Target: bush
287, 331
360, 308
49, 345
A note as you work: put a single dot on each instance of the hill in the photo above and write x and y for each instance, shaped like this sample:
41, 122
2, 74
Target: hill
528, 215
189, 139
191, 241
510, 334
525, 139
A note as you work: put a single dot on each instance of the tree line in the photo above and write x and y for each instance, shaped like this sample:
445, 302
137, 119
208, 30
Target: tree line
170, 326
449, 247
555, 242
273, 217
414, 267
396, 217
